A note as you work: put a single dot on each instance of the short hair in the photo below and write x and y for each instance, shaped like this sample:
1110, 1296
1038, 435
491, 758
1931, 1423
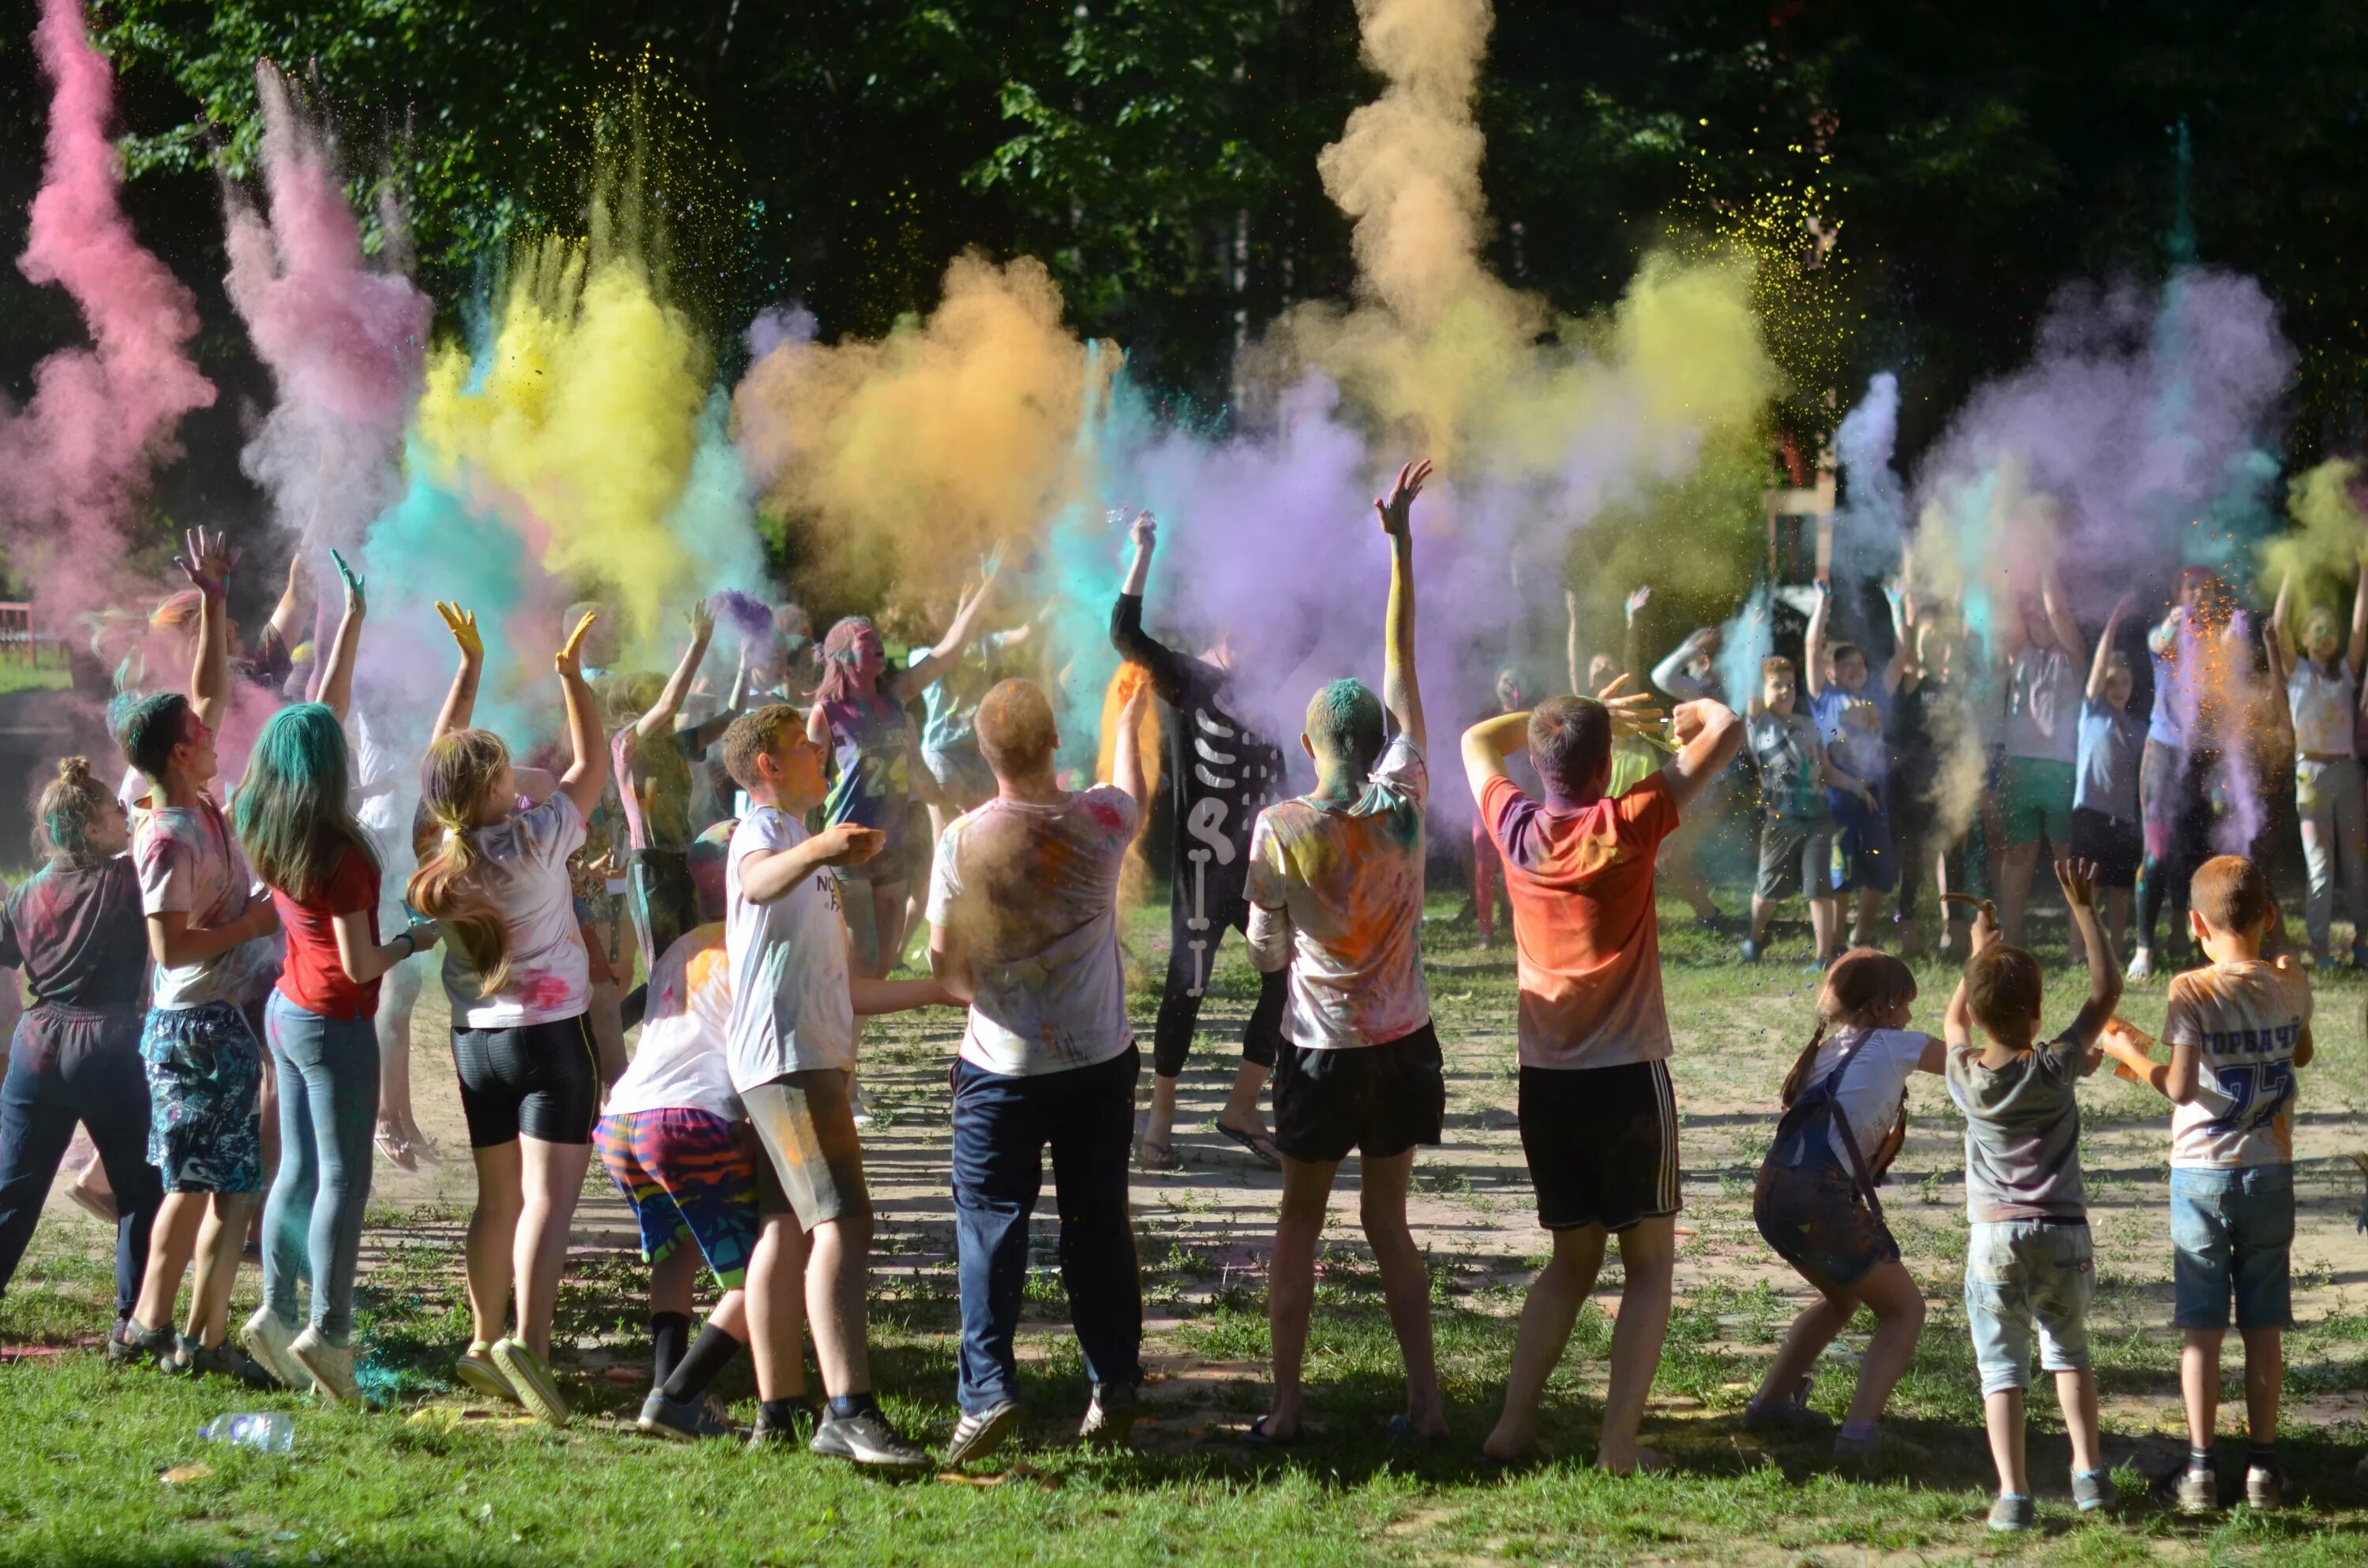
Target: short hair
2231, 894
1836, 651
1570, 741
1344, 720
1775, 664
2002, 991
753, 734
152, 727
2117, 660
1015, 732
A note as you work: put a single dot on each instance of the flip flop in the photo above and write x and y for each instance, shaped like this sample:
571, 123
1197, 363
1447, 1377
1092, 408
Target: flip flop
1159, 1158
1402, 1430
398, 1153
1256, 1437
1258, 1143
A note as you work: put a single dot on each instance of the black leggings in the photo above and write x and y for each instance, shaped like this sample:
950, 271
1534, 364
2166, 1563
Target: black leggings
1193, 938
541, 1080
2176, 791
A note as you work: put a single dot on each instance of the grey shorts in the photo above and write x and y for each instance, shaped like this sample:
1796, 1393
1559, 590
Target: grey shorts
814, 1160
2022, 1275
960, 771
1796, 856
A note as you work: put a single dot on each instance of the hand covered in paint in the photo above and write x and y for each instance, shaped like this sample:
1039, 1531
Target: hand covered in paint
844, 844
1637, 599
1130, 713
568, 660
2128, 1048
424, 934
357, 605
1144, 531
1633, 712
2078, 880
206, 560
463, 624
701, 620
1397, 512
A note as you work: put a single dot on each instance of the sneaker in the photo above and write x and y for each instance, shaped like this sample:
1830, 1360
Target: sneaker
688, 1421
2199, 1491
330, 1367
530, 1382
804, 1418
2265, 1487
1791, 1414
2141, 965
2013, 1513
222, 1361
1750, 951
2093, 1490
975, 1436
475, 1371
865, 1438
131, 1345
267, 1339
1109, 1416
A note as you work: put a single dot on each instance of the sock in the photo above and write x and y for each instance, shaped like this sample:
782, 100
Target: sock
670, 1337
1858, 1431
781, 1414
699, 1365
2198, 1459
2261, 1456
843, 1405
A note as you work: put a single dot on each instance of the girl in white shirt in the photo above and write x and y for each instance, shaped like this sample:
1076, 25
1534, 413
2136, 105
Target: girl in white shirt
2320, 676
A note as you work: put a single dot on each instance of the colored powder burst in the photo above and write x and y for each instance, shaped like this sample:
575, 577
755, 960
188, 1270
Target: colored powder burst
79, 455
752, 616
2322, 551
1744, 644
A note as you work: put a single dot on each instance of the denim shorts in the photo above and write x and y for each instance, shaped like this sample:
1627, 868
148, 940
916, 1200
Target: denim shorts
2231, 1233
1814, 1219
2022, 1274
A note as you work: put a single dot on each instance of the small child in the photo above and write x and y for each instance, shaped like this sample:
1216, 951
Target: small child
2029, 1259
2238, 1029
1796, 842
2106, 820
1845, 1103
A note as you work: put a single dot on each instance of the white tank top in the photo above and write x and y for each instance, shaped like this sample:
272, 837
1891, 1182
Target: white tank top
2323, 706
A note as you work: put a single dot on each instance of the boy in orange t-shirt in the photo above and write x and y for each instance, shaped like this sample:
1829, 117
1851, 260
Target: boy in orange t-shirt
1599, 1123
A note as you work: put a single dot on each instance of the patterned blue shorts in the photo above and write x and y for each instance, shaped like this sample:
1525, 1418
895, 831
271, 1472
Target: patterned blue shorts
205, 1133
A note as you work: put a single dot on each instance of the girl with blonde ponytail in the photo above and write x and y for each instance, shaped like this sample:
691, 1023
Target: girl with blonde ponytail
519, 978
1845, 1113
76, 931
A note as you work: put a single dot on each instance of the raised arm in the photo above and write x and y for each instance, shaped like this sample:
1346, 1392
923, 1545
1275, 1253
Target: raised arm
1708, 734
1904, 671
1671, 674
1163, 663
2357, 649
1487, 744
2059, 613
710, 730
338, 673
207, 562
1570, 638
1126, 753
1957, 1024
1401, 690
908, 683
2102, 661
659, 719
588, 774
2281, 637
2078, 880
460, 701
1631, 655
1813, 656
282, 623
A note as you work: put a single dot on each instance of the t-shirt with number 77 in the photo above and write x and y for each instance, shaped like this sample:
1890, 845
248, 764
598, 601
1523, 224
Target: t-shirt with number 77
2243, 1020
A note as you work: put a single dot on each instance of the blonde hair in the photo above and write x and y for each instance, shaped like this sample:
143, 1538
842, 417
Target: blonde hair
72, 801
453, 781
1860, 981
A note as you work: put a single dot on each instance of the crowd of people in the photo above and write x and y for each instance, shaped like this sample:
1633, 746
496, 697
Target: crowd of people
200, 978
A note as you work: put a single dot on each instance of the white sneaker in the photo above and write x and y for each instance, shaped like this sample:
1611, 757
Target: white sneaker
268, 1340
2141, 964
332, 1366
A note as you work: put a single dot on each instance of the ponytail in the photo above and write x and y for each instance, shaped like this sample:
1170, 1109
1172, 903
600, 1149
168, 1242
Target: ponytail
460, 770
1860, 981
1798, 1078
70, 804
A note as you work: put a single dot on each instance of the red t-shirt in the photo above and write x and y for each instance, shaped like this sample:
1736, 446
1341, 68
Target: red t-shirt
313, 977
1586, 934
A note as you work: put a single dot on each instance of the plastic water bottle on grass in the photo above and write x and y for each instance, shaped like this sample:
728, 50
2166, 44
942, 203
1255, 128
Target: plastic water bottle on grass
269, 1432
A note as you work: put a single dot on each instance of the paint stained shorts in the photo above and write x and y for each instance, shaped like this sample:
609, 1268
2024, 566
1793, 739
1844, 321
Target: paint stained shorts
2027, 1274
814, 1160
1812, 1217
689, 1175
205, 1070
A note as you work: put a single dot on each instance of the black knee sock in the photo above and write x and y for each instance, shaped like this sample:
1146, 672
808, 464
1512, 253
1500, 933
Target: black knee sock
700, 1365
2261, 1456
670, 1334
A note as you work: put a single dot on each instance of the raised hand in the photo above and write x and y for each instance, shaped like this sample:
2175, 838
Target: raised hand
355, 603
1637, 599
1633, 712
463, 624
566, 661
1144, 531
206, 560
2078, 880
1397, 512
701, 620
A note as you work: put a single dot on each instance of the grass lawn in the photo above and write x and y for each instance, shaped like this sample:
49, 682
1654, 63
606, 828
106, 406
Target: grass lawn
99, 1465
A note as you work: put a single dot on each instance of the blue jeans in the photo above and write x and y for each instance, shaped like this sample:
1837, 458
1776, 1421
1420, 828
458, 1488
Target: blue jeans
2026, 1274
69, 1065
2231, 1235
328, 1104
1001, 1127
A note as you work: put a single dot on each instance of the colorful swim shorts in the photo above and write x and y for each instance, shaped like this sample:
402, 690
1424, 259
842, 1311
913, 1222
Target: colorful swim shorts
686, 1173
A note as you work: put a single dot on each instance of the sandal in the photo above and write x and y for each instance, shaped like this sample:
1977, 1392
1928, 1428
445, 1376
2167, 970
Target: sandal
1258, 1143
1258, 1437
1157, 1158
398, 1153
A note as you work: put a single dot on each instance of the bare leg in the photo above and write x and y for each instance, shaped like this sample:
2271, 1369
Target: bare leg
2014, 888
2265, 1373
2002, 1415
2076, 1393
2199, 1383
1870, 915
839, 1282
1820, 1324
674, 1283
1825, 924
731, 1314
1556, 1295
1891, 1294
552, 1179
1241, 1111
1405, 1284
396, 999
171, 1244
1159, 1127
220, 1240
1291, 1283
1648, 1257
776, 1307
1761, 909
888, 920
2117, 918
493, 1232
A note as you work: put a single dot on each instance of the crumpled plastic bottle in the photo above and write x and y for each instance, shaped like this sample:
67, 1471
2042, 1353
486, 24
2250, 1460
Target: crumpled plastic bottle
270, 1431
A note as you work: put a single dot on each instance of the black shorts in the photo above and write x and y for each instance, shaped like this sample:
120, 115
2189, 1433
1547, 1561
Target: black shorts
1377, 1099
542, 1079
2118, 847
1601, 1144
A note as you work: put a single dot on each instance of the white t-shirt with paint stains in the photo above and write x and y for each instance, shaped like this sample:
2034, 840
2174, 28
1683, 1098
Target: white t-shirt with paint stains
521, 865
